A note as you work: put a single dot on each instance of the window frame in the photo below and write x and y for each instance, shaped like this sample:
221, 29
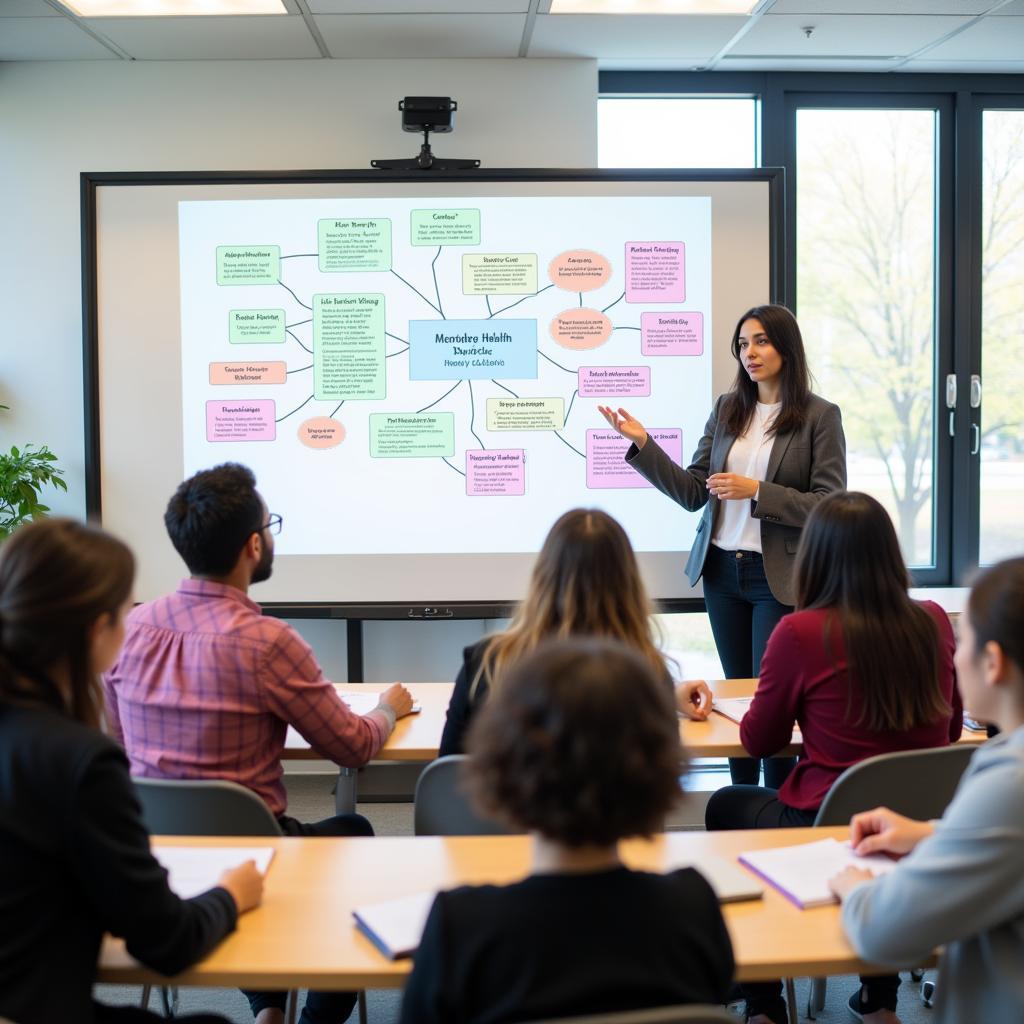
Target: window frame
960, 100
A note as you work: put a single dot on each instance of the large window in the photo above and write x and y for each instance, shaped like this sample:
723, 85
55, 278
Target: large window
1001, 437
866, 271
677, 132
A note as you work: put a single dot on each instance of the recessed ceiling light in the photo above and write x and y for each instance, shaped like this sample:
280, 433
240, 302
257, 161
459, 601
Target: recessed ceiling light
652, 6
170, 8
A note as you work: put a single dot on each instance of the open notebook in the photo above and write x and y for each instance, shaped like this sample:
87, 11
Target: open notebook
192, 870
395, 926
734, 708
801, 872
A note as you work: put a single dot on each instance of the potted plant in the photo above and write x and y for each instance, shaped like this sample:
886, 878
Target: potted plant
24, 472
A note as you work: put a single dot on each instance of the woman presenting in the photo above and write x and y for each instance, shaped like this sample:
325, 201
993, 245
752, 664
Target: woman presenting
771, 450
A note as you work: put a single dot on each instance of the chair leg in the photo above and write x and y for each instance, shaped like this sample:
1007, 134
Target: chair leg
816, 997
169, 997
361, 1000
791, 1010
144, 1000
291, 1006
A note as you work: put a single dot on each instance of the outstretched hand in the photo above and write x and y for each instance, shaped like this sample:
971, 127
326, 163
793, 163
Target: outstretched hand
620, 420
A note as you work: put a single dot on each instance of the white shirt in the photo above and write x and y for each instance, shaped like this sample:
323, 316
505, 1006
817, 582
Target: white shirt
737, 529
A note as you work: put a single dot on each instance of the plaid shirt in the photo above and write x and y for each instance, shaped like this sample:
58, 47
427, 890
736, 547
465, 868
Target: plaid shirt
206, 686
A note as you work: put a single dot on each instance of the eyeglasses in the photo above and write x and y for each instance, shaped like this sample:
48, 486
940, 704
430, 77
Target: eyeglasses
273, 524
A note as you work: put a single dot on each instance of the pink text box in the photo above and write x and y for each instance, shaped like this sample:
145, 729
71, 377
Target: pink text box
614, 381
606, 457
248, 373
241, 420
672, 334
497, 471
655, 272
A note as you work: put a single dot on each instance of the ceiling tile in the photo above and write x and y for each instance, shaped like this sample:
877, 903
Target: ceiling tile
837, 35
814, 64
49, 39
419, 6
966, 67
27, 9
209, 38
690, 40
387, 36
989, 39
1016, 8
969, 8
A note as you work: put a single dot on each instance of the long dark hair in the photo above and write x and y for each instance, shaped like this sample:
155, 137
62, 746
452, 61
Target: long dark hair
57, 578
849, 562
996, 609
784, 333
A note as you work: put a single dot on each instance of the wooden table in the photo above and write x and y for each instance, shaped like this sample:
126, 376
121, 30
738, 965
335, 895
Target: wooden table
720, 737
303, 934
416, 737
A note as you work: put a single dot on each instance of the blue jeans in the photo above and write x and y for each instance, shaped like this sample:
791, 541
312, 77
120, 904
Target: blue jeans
743, 613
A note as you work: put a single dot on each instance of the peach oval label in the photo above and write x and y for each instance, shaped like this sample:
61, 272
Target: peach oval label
581, 328
579, 270
321, 432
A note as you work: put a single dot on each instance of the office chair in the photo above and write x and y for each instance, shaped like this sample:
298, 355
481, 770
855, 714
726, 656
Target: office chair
442, 809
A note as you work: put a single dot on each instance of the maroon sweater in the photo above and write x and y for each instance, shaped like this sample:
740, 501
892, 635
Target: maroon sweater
802, 682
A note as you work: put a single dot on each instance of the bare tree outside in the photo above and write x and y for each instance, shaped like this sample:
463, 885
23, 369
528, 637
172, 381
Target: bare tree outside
1002, 327
866, 297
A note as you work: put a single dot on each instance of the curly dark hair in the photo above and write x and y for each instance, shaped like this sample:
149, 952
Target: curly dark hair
211, 516
580, 744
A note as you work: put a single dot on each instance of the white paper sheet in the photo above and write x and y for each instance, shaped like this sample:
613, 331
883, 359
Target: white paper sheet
192, 870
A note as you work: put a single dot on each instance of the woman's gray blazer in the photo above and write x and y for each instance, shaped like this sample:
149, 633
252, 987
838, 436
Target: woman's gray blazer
804, 465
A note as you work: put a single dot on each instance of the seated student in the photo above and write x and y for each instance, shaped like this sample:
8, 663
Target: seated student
206, 685
961, 885
581, 748
585, 582
863, 670
74, 854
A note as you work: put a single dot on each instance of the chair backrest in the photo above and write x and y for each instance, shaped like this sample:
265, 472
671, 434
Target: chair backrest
692, 1014
915, 783
203, 807
442, 809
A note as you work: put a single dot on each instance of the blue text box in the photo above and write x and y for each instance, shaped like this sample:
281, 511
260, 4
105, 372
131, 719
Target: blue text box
472, 349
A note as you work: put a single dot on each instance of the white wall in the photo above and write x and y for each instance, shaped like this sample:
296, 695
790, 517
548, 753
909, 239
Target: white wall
58, 119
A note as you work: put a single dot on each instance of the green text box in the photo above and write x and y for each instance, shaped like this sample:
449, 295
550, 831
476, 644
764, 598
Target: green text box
419, 435
445, 227
348, 346
525, 413
248, 264
256, 326
500, 273
353, 243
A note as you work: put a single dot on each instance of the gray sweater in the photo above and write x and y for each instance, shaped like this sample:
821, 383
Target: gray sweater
963, 887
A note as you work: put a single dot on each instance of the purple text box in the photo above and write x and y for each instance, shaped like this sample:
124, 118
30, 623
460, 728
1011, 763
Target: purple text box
614, 381
672, 334
655, 272
497, 471
241, 420
606, 457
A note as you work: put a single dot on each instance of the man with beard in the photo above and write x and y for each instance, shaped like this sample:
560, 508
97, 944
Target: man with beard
206, 686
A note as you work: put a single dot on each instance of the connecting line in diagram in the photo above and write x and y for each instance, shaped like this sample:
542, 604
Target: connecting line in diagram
349, 339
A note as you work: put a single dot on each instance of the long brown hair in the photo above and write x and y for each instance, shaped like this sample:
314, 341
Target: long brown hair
849, 562
57, 578
784, 333
585, 582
